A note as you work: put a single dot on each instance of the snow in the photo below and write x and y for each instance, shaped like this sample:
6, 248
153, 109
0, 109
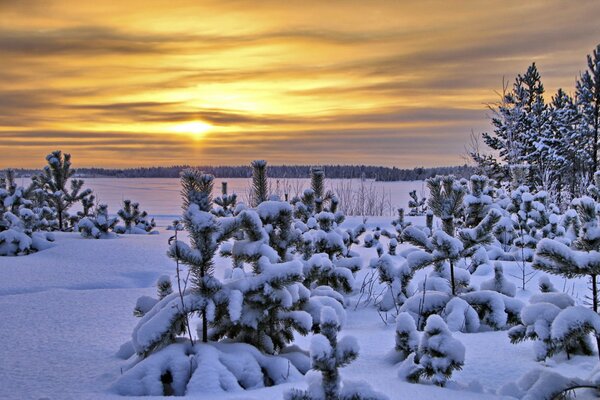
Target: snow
67, 313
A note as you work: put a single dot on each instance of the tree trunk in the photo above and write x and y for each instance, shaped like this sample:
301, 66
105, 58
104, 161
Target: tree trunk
452, 278
595, 307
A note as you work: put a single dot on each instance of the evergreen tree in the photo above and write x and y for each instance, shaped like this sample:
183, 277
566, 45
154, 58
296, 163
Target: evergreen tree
205, 234
130, 213
588, 103
568, 145
443, 248
54, 180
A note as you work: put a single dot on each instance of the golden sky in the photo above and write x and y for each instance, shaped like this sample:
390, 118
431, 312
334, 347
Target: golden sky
132, 83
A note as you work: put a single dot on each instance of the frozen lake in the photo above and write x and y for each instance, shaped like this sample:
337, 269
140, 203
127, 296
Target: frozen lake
161, 198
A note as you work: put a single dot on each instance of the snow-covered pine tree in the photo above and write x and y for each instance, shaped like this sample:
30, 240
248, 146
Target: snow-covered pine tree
439, 354
269, 298
517, 121
328, 354
583, 258
24, 214
99, 225
566, 150
445, 200
129, 213
260, 184
54, 179
276, 217
135, 220
205, 234
588, 104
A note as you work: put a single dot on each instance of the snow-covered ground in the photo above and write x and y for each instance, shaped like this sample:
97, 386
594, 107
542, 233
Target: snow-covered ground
66, 310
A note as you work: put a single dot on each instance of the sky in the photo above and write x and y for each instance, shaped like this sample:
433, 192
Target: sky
395, 83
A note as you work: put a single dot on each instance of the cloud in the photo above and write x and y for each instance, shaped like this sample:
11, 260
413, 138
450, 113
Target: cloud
393, 83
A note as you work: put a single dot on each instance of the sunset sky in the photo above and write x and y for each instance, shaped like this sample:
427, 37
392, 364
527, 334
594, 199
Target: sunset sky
138, 83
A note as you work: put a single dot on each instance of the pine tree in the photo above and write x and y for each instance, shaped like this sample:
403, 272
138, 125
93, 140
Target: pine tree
443, 248
54, 180
205, 233
588, 102
568, 146
259, 182
130, 213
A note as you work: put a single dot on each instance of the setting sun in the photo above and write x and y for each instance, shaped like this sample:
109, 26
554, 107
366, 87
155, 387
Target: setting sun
195, 129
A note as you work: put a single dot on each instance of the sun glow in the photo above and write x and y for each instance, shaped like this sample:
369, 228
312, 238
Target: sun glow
196, 129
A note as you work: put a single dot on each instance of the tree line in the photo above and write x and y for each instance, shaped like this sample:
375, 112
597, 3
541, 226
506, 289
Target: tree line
378, 173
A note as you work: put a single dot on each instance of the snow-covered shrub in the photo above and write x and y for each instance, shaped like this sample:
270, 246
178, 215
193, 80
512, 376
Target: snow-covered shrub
99, 225
443, 248
225, 204
328, 354
571, 329
319, 270
438, 356
583, 258
24, 214
400, 223
209, 368
407, 337
540, 322
135, 221
397, 278
544, 384
418, 206
499, 283
269, 298
145, 303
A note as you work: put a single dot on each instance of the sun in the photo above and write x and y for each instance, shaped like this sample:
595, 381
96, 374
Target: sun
196, 129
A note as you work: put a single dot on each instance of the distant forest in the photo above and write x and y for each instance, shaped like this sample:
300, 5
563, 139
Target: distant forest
277, 171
